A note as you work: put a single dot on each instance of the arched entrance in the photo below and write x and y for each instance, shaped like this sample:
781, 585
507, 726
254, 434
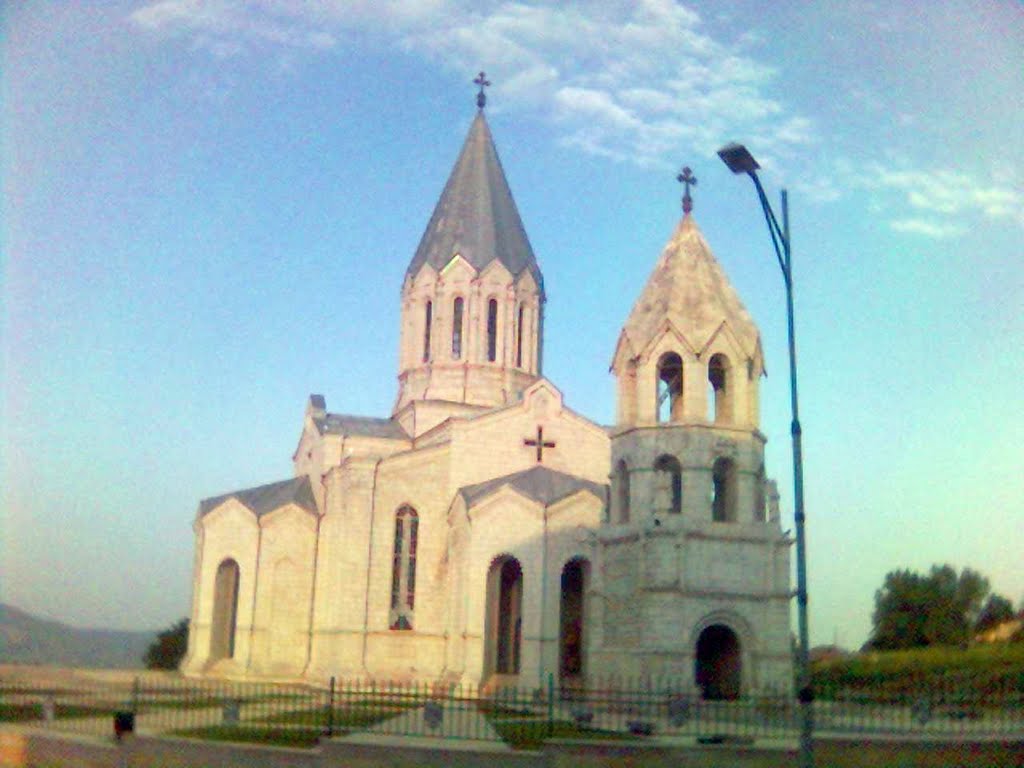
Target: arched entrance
504, 616
719, 665
571, 634
225, 611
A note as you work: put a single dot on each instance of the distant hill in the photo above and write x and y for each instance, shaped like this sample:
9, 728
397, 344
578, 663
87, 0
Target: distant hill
26, 639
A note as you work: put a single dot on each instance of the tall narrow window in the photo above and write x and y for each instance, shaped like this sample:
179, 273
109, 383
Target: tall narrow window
669, 485
403, 569
427, 320
457, 329
492, 330
225, 611
760, 496
719, 396
621, 482
670, 388
723, 491
519, 338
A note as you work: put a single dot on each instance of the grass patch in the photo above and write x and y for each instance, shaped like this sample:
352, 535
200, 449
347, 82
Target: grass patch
17, 713
526, 734
305, 738
490, 709
28, 712
347, 717
979, 673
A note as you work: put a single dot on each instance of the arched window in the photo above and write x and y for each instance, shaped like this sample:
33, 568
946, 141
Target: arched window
403, 569
225, 611
723, 491
457, 329
670, 388
621, 492
668, 485
519, 338
428, 320
719, 394
492, 330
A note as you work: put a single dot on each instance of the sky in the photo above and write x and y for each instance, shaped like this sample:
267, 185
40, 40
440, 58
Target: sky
208, 209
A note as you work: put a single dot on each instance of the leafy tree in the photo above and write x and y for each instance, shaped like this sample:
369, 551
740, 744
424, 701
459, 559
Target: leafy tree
937, 608
996, 610
167, 651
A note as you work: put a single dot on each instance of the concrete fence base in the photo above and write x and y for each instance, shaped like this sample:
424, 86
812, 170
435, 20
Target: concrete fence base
30, 748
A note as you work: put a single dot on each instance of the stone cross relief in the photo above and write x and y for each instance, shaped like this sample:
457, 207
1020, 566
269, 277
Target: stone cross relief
539, 443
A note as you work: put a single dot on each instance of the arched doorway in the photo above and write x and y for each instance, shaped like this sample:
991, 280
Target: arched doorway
225, 611
504, 616
571, 634
719, 665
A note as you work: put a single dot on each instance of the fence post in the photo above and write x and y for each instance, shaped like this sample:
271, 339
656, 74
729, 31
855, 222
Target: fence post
135, 695
330, 709
551, 704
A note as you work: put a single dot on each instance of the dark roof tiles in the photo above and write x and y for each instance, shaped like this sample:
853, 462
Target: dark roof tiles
264, 499
541, 484
363, 426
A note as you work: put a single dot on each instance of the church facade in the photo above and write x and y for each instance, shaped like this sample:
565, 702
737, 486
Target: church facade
486, 533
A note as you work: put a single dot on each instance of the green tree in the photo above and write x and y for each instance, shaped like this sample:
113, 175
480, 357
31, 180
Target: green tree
937, 608
167, 651
996, 610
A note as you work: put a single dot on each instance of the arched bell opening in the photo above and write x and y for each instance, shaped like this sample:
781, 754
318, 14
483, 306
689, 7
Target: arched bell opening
720, 386
669, 405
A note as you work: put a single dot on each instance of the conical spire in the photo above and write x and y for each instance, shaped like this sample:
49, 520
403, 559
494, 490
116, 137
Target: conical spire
476, 216
689, 289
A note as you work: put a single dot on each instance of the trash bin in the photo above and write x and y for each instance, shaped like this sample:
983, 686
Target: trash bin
124, 722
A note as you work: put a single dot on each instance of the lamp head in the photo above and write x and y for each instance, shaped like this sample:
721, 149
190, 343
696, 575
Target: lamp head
738, 159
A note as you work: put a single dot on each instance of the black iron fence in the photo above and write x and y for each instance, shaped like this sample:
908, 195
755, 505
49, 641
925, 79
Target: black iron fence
520, 716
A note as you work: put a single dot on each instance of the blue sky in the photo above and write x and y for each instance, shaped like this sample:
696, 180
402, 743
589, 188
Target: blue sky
208, 208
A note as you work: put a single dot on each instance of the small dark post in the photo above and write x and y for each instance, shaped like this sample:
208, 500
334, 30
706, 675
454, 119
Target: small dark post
330, 709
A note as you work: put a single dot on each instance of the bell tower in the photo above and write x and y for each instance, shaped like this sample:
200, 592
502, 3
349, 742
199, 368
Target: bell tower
473, 296
689, 544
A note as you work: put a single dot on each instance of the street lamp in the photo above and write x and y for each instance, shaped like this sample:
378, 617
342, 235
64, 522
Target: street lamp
739, 160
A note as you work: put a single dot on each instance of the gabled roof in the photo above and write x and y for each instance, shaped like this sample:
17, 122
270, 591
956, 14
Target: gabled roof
543, 485
476, 216
689, 289
363, 426
264, 499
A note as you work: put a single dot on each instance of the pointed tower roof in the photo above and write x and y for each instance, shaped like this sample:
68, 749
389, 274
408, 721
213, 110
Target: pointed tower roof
476, 216
689, 290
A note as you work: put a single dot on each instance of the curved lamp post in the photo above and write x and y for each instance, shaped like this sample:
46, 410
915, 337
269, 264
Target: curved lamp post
739, 160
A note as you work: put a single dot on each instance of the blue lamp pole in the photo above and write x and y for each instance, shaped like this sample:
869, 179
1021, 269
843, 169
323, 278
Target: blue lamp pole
739, 160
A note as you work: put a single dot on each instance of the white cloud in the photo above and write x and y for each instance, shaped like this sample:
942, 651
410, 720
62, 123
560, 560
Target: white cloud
944, 192
938, 230
640, 80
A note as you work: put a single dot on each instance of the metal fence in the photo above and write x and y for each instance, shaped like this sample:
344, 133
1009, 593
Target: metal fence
520, 716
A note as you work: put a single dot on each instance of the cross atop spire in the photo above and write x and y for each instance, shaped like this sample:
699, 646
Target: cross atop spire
481, 97
686, 178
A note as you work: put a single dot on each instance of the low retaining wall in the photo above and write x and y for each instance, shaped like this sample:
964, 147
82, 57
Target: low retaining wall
604, 754
27, 748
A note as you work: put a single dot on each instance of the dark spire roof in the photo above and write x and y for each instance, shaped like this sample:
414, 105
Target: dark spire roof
476, 216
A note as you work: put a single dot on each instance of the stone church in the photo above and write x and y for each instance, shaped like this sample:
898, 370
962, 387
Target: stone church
485, 532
